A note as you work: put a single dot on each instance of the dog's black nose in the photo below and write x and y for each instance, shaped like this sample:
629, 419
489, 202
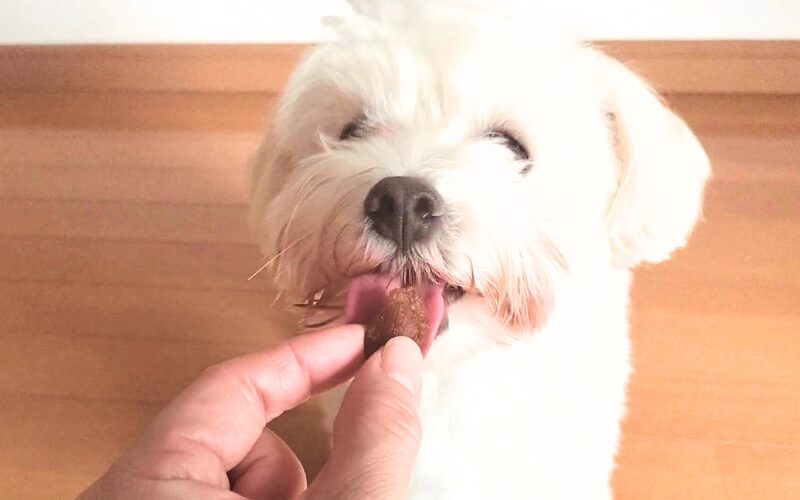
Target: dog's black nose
405, 210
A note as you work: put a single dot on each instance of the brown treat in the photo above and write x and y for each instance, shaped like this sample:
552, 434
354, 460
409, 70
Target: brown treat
404, 314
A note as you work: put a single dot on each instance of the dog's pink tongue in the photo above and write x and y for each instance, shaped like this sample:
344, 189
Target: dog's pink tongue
367, 295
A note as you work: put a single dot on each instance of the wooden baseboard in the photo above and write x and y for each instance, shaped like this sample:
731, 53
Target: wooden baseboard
738, 67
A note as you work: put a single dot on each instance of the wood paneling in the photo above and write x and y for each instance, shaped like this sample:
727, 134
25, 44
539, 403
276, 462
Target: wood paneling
761, 67
124, 259
141, 263
122, 110
113, 116
126, 149
39, 308
150, 68
165, 185
714, 67
125, 220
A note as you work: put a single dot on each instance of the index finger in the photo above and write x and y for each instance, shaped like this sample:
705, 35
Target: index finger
225, 410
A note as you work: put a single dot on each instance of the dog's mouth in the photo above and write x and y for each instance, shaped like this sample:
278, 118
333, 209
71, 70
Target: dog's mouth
368, 294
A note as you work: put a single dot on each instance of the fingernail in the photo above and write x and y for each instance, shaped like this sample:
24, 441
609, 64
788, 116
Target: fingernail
401, 359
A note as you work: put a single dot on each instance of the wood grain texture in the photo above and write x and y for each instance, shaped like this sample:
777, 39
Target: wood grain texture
151, 68
128, 220
762, 67
123, 110
166, 185
117, 114
714, 67
124, 149
124, 256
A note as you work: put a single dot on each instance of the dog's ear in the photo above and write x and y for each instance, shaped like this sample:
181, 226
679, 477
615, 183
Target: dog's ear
662, 170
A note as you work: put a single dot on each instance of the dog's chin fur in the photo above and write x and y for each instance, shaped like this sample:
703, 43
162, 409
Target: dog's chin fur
523, 394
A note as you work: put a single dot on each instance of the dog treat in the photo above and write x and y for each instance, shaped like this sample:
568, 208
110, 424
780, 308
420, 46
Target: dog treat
404, 314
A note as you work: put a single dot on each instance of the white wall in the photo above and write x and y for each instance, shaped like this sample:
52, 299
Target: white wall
239, 21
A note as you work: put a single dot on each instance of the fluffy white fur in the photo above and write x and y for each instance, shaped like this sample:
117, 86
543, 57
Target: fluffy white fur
523, 395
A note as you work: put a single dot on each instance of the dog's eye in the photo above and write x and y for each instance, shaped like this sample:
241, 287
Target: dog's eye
512, 143
353, 130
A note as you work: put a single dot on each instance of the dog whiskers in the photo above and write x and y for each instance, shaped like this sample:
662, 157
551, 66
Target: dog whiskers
339, 270
322, 323
315, 303
472, 273
305, 191
555, 253
277, 298
277, 256
304, 305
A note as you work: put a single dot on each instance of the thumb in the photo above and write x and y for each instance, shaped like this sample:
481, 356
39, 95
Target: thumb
377, 432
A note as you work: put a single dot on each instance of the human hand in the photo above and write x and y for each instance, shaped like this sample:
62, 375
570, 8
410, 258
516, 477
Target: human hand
211, 440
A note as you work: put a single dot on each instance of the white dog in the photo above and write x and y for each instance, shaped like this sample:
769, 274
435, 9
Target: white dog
518, 178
